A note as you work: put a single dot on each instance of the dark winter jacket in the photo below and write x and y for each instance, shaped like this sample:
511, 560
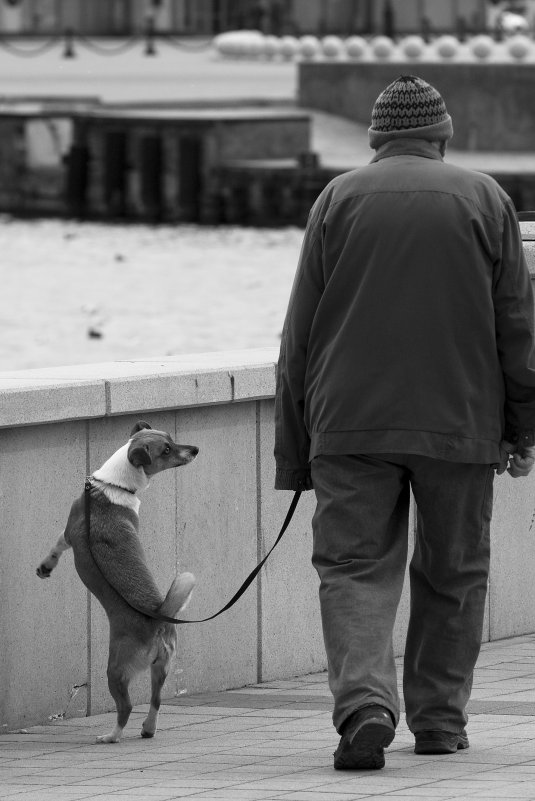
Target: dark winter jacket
410, 323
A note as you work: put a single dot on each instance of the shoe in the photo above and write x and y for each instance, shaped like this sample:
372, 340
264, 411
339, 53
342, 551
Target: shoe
437, 741
364, 736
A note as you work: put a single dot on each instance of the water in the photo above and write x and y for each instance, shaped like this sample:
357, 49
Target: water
88, 292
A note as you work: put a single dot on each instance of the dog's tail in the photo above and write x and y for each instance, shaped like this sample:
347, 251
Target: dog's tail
179, 595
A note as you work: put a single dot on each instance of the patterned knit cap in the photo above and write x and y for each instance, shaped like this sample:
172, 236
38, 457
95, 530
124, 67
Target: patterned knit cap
409, 107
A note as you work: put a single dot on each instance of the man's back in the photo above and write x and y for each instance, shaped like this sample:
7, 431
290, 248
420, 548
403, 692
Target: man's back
402, 353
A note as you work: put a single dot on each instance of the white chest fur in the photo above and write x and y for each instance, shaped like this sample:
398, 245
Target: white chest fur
119, 479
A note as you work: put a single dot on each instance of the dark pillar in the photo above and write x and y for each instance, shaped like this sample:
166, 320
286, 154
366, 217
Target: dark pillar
115, 173
190, 177
151, 174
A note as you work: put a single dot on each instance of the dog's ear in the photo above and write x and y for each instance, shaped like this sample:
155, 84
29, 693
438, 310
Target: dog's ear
139, 426
139, 455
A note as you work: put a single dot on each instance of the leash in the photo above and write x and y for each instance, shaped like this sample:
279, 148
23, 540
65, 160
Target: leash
237, 595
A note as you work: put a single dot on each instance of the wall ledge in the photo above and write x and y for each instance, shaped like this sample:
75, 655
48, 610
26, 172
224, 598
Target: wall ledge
56, 394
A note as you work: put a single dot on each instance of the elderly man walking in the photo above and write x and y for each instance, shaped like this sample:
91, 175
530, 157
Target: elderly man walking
407, 362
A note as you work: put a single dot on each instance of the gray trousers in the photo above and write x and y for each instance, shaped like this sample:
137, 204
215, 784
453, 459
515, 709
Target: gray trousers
360, 552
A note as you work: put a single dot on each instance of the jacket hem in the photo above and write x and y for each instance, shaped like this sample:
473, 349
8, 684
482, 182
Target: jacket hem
449, 447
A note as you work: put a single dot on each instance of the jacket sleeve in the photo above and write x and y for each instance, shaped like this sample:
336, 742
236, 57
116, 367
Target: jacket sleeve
513, 304
292, 441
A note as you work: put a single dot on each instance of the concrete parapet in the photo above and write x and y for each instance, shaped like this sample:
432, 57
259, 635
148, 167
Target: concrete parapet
55, 394
216, 517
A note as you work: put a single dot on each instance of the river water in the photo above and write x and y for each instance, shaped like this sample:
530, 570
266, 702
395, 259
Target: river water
74, 292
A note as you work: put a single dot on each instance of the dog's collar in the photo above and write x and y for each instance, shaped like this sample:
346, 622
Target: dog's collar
90, 480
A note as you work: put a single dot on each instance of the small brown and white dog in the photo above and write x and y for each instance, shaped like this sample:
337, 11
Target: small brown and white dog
112, 565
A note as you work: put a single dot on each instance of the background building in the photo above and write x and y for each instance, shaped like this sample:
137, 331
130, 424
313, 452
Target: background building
209, 17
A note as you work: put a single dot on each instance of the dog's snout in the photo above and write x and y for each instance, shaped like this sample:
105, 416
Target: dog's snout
187, 453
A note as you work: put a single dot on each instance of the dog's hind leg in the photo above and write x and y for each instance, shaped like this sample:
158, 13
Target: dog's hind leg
176, 599
118, 681
158, 674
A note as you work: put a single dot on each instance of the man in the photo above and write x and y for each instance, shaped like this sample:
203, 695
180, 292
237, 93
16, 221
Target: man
406, 361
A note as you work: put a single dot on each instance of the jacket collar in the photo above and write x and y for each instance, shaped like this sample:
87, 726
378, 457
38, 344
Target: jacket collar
407, 147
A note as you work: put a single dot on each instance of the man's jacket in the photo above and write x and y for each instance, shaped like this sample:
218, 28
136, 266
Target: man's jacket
410, 323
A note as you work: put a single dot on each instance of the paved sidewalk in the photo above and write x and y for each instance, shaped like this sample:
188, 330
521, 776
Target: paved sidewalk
275, 741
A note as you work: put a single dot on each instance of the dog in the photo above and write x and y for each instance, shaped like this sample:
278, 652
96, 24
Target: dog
112, 565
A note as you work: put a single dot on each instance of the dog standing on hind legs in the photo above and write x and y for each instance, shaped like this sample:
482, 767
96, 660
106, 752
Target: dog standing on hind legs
111, 563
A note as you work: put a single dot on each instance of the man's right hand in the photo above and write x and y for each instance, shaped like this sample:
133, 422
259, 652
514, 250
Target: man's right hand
517, 463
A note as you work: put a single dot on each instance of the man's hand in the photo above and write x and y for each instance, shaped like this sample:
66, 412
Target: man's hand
517, 463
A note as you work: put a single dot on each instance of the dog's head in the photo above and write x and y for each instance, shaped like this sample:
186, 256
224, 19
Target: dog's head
155, 451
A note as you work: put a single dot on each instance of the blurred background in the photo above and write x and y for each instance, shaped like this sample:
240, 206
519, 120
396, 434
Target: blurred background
158, 158
210, 17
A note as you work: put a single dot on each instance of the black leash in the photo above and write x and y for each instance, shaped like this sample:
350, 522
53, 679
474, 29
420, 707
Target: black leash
249, 580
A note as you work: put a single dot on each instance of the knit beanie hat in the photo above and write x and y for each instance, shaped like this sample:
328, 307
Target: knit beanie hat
409, 107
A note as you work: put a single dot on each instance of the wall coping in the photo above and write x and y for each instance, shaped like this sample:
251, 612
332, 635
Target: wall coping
57, 394
54, 394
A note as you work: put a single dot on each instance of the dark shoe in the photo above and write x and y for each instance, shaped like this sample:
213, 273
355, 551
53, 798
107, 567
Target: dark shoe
364, 736
436, 741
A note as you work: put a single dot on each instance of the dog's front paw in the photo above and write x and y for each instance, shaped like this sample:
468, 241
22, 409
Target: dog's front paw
47, 565
43, 571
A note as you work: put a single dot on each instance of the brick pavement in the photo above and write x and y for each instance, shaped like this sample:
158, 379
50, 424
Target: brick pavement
275, 741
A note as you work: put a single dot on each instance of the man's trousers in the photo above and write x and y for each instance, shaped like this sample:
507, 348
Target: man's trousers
360, 552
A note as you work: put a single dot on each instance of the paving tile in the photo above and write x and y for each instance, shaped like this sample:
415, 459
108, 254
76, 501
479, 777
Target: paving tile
279, 784
223, 760
474, 784
147, 793
142, 795
276, 741
330, 795
296, 711
426, 793
507, 793
45, 794
432, 771
378, 781
198, 782
235, 794
10, 791
313, 762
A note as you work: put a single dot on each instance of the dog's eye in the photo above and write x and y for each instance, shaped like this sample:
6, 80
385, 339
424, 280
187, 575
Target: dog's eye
166, 450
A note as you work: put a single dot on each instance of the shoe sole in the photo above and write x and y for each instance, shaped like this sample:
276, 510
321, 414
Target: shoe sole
440, 748
365, 750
